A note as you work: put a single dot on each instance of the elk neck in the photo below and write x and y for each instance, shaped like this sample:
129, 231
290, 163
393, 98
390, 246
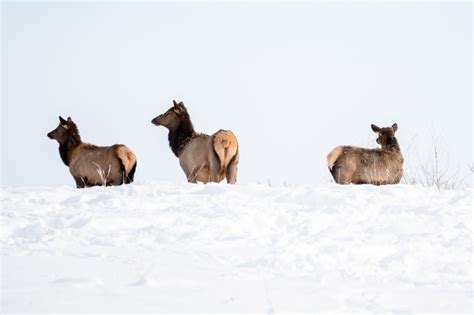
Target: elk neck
180, 136
65, 149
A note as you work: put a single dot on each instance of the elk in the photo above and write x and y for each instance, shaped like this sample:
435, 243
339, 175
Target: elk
91, 165
381, 166
203, 158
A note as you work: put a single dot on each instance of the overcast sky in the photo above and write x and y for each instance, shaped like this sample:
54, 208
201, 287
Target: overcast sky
291, 80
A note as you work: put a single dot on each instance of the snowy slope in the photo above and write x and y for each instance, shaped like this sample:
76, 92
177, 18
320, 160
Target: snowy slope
167, 247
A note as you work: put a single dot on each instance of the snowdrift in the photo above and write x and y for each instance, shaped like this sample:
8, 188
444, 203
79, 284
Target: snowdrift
164, 247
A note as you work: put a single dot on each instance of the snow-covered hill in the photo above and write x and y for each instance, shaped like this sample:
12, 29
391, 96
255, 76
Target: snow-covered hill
167, 247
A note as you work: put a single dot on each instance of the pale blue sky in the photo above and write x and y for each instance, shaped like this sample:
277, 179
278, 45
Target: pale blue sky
291, 80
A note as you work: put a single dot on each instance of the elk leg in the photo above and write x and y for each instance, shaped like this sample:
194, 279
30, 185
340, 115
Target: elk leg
231, 172
214, 171
341, 176
116, 182
80, 183
192, 177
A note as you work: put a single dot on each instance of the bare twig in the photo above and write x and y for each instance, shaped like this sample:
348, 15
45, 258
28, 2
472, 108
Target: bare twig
103, 176
434, 170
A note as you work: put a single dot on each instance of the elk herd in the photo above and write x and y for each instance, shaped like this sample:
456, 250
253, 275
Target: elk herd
211, 158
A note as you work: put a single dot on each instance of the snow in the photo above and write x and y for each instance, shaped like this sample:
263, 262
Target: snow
175, 247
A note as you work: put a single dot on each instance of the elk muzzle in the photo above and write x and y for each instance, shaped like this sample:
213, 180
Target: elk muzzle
156, 121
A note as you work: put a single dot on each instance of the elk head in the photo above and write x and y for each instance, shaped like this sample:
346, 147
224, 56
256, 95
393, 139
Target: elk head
386, 136
172, 118
63, 130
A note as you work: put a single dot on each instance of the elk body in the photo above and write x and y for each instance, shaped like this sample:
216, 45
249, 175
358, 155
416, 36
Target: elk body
91, 165
203, 158
381, 166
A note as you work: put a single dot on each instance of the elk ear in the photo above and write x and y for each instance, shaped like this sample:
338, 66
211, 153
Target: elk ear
178, 107
62, 121
375, 128
178, 110
395, 127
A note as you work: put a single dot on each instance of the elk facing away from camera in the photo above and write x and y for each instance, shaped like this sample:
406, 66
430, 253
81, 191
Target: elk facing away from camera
203, 158
91, 165
354, 165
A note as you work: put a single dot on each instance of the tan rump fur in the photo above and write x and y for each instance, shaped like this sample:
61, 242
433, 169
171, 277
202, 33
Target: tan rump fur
127, 157
333, 156
225, 145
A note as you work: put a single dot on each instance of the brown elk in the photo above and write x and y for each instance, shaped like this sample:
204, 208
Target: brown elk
92, 165
203, 158
381, 166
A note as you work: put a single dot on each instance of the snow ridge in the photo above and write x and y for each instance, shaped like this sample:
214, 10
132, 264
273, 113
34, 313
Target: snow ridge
168, 247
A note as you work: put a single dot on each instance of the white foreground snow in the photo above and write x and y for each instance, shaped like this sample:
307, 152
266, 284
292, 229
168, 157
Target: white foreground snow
166, 247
